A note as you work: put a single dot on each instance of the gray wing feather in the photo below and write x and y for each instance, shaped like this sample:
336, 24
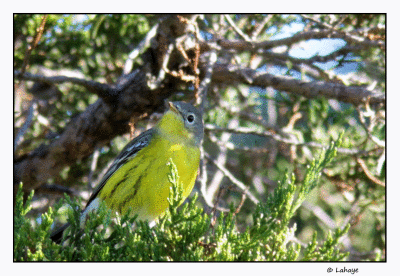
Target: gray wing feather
128, 152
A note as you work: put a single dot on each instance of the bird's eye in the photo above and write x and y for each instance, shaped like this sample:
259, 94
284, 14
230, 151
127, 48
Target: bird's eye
190, 118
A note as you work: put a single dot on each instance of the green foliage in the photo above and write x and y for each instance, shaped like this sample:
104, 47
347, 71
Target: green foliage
183, 234
97, 44
31, 240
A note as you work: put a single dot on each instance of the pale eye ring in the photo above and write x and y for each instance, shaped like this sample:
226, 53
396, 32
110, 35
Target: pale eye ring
190, 118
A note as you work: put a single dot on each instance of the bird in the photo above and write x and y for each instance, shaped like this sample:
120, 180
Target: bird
137, 181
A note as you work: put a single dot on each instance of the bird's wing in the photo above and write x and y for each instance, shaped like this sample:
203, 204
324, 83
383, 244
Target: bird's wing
125, 155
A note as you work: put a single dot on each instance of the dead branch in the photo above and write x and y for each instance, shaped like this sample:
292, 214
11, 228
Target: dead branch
356, 95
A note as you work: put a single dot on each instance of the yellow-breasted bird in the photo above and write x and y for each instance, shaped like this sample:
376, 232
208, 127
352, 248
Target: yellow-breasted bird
138, 178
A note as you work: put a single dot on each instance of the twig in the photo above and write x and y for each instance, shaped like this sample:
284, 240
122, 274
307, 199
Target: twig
261, 26
381, 161
368, 129
233, 179
215, 207
29, 119
139, 49
348, 34
25, 64
203, 178
354, 211
240, 204
38, 35
93, 166
164, 67
237, 30
370, 176
313, 34
179, 44
321, 214
203, 185
221, 159
340, 21
240, 45
203, 87
322, 24
195, 62
317, 58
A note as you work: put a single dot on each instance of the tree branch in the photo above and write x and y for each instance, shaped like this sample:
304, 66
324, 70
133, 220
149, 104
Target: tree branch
233, 179
240, 45
313, 34
29, 119
38, 35
104, 91
317, 58
236, 28
350, 94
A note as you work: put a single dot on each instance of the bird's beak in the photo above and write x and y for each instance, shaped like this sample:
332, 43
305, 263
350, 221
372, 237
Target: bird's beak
173, 107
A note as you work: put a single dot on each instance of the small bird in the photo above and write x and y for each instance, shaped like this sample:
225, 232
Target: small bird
138, 178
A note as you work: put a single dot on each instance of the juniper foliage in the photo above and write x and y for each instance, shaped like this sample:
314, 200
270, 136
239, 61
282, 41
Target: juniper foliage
185, 233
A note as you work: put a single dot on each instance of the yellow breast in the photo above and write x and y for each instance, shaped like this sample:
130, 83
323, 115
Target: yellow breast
142, 183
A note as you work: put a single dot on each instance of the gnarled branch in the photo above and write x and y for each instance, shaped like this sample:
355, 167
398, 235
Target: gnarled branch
350, 94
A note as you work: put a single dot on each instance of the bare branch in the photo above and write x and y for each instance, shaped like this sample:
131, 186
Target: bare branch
139, 49
350, 94
104, 91
240, 45
237, 30
164, 66
260, 27
203, 179
38, 35
203, 87
29, 119
320, 214
369, 174
315, 20
317, 58
234, 180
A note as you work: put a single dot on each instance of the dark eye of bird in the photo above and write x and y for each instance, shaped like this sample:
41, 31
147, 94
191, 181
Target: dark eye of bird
190, 118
